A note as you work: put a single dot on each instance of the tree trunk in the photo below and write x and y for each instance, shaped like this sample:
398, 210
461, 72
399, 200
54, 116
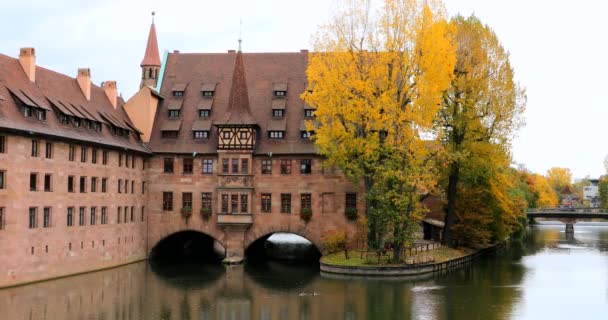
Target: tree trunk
450, 216
397, 250
372, 240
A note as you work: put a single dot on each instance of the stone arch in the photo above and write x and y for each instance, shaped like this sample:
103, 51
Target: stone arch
259, 233
171, 236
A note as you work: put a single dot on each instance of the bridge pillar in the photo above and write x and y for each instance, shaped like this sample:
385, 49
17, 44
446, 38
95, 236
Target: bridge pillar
234, 243
569, 227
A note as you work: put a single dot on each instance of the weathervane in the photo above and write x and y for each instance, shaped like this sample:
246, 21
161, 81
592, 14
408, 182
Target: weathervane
153, 13
240, 33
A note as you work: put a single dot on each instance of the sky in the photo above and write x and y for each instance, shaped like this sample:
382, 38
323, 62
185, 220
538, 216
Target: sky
559, 51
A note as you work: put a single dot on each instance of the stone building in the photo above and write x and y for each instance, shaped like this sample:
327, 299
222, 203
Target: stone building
212, 142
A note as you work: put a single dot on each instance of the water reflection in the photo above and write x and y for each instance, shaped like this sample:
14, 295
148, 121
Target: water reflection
546, 275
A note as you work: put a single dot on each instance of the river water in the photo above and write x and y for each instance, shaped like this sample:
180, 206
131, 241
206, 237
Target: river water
548, 275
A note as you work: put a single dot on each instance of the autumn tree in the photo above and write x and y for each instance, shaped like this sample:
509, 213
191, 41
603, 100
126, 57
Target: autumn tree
479, 114
559, 179
376, 79
546, 197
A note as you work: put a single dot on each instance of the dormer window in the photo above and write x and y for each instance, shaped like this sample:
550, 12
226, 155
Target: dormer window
178, 90
278, 113
280, 94
207, 94
27, 111
178, 93
204, 113
276, 134
280, 90
208, 89
41, 114
65, 120
76, 122
305, 134
173, 114
201, 134
169, 134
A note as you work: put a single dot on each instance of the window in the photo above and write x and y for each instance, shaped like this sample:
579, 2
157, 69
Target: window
71, 152
81, 220
244, 203
235, 165
27, 111
33, 218
167, 201
224, 203
132, 162
351, 201
204, 113
48, 150
2, 144
244, 135
126, 186
200, 134
143, 187
83, 184
104, 157
266, 166
207, 166
234, 203
266, 202
286, 202
119, 185
206, 202
276, 134
126, 212
104, 185
280, 93
41, 114
225, 165
285, 166
47, 182
2, 179
132, 186
244, 166
143, 214
93, 216
169, 134
33, 181
309, 113
178, 93
132, 214
2, 223
207, 94
83, 154
305, 134
94, 155
118, 214
173, 114
34, 148
76, 122
168, 165
71, 184
188, 164
104, 215
70, 217
94, 184
305, 166
187, 200
226, 134
278, 113
305, 201
120, 159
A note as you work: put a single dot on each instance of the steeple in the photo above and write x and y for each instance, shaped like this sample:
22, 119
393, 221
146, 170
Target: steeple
150, 64
238, 102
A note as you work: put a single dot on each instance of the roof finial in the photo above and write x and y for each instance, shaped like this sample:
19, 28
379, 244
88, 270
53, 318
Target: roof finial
240, 33
153, 13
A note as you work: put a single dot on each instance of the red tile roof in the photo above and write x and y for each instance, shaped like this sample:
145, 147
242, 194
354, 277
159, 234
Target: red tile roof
58, 93
151, 58
261, 74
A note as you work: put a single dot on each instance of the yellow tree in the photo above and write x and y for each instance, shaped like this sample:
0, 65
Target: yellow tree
375, 79
482, 106
559, 179
546, 197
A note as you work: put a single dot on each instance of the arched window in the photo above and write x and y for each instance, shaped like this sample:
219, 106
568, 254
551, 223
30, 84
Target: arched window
156, 74
150, 73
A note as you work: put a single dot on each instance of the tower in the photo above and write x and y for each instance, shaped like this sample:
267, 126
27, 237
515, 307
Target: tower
150, 65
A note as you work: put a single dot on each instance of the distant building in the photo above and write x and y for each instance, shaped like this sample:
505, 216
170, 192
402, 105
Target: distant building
591, 193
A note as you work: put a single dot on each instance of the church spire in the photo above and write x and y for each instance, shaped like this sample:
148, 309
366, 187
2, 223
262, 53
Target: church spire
150, 64
239, 112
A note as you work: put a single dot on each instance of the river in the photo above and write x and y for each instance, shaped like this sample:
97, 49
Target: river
547, 275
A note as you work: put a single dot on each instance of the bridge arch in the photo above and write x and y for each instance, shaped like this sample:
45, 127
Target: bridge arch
187, 244
265, 233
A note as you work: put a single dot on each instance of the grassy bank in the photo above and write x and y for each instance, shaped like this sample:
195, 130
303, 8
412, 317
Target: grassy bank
355, 258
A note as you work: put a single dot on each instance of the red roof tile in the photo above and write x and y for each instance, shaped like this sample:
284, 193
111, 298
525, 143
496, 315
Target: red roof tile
151, 57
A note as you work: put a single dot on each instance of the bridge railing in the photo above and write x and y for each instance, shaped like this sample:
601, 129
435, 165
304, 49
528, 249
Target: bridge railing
409, 255
567, 210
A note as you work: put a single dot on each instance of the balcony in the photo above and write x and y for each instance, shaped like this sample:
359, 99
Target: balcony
237, 219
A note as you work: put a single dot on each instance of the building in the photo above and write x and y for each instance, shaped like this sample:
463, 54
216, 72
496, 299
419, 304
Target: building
212, 142
591, 193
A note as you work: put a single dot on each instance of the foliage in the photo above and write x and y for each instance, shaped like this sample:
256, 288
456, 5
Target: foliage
336, 241
186, 211
603, 191
205, 213
480, 112
376, 80
546, 195
306, 214
559, 179
351, 213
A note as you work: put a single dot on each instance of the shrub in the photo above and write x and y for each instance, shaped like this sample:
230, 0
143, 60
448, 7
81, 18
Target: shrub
335, 241
306, 214
186, 211
351, 214
206, 213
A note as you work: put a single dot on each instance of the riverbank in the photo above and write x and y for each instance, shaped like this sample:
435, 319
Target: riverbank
419, 263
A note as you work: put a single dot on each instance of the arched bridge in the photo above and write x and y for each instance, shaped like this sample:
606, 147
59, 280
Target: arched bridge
568, 216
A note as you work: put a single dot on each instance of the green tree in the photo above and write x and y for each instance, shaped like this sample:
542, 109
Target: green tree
479, 114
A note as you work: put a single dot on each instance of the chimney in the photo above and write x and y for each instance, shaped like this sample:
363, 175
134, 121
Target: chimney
303, 50
84, 81
27, 59
109, 87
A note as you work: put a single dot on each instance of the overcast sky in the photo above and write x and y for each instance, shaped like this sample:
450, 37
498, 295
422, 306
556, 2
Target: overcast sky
559, 50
